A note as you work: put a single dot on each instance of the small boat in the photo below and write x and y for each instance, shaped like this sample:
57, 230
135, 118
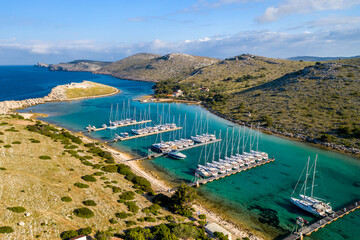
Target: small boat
176, 154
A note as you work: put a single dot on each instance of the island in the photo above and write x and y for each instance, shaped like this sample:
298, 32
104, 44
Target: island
68, 92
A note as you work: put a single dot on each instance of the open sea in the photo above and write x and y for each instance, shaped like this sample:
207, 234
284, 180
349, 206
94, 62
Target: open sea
257, 198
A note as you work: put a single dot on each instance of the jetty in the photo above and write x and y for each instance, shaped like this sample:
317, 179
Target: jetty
92, 129
307, 230
143, 135
156, 155
203, 181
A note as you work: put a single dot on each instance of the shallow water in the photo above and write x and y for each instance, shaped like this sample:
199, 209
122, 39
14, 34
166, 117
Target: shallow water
259, 197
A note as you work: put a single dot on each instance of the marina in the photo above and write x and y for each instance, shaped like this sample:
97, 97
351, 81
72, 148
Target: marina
203, 181
143, 135
95, 129
256, 188
307, 230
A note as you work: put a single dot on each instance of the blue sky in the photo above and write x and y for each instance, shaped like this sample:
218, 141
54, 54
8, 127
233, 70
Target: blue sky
60, 31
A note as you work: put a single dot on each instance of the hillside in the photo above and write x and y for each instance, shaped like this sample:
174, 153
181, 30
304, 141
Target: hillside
54, 182
152, 67
78, 66
244, 71
320, 101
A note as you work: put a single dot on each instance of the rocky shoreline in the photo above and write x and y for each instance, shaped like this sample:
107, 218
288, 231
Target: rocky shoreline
297, 136
57, 94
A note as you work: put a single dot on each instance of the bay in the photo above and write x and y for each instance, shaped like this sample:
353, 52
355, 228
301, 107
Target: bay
257, 198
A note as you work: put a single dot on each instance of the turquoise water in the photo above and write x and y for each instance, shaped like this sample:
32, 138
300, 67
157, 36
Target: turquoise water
258, 198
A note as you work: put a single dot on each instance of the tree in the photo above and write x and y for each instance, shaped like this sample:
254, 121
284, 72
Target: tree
182, 200
221, 236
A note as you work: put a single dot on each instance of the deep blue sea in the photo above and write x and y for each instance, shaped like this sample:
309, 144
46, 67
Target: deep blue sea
257, 198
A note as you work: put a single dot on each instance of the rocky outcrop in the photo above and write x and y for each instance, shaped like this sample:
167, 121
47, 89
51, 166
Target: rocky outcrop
57, 94
41, 65
78, 66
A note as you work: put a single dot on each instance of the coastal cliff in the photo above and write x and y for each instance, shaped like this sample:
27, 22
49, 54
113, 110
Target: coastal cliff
68, 92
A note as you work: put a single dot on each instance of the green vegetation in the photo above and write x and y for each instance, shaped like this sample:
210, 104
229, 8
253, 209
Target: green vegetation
17, 209
154, 209
88, 178
66, 199
110, 168
12, 129
89, 203
123, 215
73, 233
221, 236
7, 146
167, 231
84, 212
132, 207
81, 185
128, 195
16, 142
183, 199
44, 157
6, 229
139, 182
116, 189
34, 140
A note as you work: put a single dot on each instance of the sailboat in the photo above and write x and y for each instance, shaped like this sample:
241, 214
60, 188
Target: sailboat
310, 203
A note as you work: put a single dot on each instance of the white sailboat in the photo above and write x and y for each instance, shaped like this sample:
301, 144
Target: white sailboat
310, 203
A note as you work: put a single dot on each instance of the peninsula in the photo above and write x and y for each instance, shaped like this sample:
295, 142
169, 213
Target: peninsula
68, 92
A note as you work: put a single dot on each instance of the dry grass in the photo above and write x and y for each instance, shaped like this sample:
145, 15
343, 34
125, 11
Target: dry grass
38, 186
96, 90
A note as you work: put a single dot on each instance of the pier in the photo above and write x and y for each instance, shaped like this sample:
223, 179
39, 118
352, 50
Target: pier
203, 181
118, 126
181, 149
143, 135
324, 221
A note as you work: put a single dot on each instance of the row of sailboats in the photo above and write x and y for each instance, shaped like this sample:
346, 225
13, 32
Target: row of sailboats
229, 163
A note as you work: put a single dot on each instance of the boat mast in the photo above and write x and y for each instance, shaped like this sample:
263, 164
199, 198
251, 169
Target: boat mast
257, 140
243, 142
110, 114
232, 142
219, 143
226, 142
238, 140
306, 176
313, 180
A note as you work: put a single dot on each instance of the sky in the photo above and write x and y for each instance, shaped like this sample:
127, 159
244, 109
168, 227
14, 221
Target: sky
109, 30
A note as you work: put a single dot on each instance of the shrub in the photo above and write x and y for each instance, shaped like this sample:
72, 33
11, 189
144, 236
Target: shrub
85, 231
2, 168
69, 234
110, 168
169, 218
1, 133
7, 146
44, 157
123, 169
84, 213
202, 216
1, 141
112, 221
98, 173
150, 219
66, 199
221, 236
132, 207
89, 178
12, 129
128, 195
87, 163
17, 209
116, 189
138, 191
81, 185
34, 140
122, 215
16, 142
6, 229
130, 223
89, 203
154, 209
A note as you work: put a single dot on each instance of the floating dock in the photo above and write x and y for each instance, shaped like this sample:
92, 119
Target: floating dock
118, 126
143, 135
203, 181
180, 149
324, 221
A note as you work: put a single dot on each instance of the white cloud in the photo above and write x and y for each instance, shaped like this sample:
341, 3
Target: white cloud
289, 7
